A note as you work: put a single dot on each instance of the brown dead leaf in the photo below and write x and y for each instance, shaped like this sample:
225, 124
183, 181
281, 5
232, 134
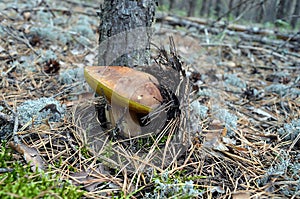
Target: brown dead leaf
241, 195
90, 179
214, 135
31, 156
213, 140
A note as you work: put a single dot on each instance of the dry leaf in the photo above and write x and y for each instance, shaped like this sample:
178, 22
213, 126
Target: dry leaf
214, 135
90, 179
31, 156
241, 195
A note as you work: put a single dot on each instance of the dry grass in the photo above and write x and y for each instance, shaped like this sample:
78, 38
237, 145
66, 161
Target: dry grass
247, 145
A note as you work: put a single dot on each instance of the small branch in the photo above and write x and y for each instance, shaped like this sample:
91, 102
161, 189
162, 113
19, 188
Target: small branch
246, 33
6, 118
294, 143
83, 4
16, 121
6, 170
64, 11
231, 10
68, 88
22, 39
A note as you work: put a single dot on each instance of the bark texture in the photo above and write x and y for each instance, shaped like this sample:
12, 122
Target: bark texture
296, 14
125, 31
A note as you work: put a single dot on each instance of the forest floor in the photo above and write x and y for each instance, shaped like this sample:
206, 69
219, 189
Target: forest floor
246, 103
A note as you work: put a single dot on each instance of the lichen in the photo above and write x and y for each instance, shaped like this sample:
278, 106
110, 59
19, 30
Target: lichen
31, 110
279, 89
233, 80
291, 130
229, 119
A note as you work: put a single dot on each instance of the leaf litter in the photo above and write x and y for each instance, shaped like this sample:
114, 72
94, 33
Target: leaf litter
244, 109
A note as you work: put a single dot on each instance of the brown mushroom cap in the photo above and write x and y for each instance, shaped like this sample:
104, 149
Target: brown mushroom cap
125, 86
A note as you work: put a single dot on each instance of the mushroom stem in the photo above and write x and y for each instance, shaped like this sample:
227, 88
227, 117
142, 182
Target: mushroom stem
126, 120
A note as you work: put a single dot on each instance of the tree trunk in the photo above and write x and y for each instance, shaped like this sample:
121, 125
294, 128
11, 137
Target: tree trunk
289, 8
160, 2
238, 10
217, 8
260, 11
172, 4
281, 10
295, 14
230, 5
203, 7
209, 5
125, 31
191, 8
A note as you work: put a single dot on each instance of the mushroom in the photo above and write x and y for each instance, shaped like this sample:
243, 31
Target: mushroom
130, 93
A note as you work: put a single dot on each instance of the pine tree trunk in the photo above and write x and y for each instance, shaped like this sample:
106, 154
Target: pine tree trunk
125, 31
260, 11
280, 11
172, 5
289, 8
208, 8
203, 7
295, 14
217, 8
191, 8
230, 5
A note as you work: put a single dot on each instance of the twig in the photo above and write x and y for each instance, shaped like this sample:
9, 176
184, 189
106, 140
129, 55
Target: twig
16, 121
6, 170
231, 10
74, 147
64, 11
68, 88
83, 4
245, 47
288, 40
6, 118
251, 34
22, 39
294, 143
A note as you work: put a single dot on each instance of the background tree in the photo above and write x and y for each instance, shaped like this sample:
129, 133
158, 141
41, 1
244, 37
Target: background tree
191, 8
172, 4
257, 11
281, 10
296, 14
124, 32
203, 7
217, 8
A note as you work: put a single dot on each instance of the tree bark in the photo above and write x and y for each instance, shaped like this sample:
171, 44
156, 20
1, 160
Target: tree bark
289, 8
295, 14
191, 8
217, 8
125, 31
203, 7
172, 5
281, 10
160, 2
208, 8
230, 5
238, 10
260, 11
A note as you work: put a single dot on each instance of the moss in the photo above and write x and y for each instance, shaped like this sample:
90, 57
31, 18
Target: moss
21, 182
